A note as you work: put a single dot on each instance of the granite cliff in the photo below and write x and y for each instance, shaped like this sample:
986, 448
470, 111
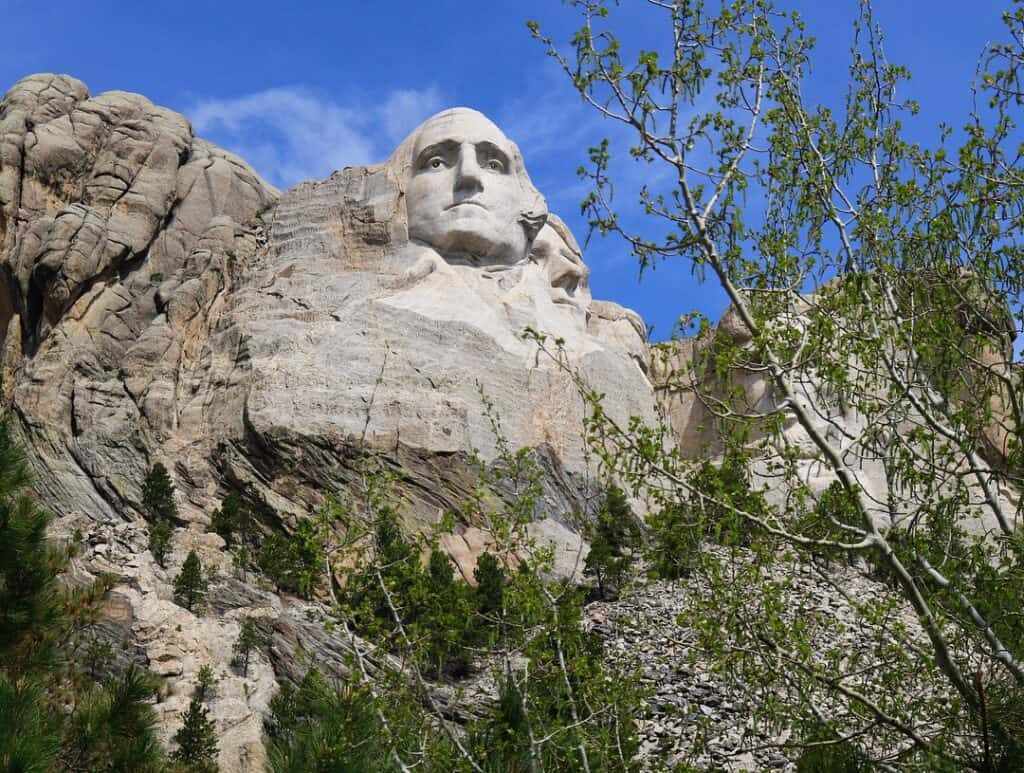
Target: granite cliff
162, 303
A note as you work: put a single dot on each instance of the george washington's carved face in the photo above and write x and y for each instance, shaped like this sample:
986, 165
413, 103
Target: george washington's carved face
468, 195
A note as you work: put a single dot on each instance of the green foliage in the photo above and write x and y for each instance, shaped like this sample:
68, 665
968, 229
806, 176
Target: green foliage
999, 586
249, 639
490, 587
158, 495
832, 516
503, 742
294, 563
234, 522
31, 607
30, 734
717, 509
190, 586
274, 560
161, 511
160, 534
723, 501
197, 740
822, 751
225, 519
97, 656
48, 662
206, 683
114, 727
435, 609
446, 623
319, 726
526, 628
675, 542
567, 695
614, 539
875, 288
241, 556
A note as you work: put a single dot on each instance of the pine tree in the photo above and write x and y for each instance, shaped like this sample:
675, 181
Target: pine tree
160, 509
490, 585
30, 734
322, 726
294, 563
446, 618
30, 604
112, 726
160, 541
226, 520
206, 683
158, 495
614, 536
190, 585
274, 560
249, 639
197, 739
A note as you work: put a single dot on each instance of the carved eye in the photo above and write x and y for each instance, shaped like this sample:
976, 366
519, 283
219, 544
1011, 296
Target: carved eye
435, 162
495, 165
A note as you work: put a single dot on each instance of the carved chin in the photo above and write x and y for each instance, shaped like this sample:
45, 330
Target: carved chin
477, 238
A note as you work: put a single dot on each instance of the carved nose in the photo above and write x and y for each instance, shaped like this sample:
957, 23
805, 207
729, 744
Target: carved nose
569, 276
468, 177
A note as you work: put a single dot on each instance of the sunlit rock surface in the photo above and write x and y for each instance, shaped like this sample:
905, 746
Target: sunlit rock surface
163, 303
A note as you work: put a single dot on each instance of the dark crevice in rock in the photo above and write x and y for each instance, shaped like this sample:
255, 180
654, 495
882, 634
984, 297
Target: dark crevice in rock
75, 430
33, 319
22, 171
11, 288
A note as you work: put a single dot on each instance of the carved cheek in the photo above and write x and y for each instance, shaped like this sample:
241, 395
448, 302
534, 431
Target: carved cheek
422, 198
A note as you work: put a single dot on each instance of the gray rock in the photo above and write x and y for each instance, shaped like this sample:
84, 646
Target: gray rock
163, 303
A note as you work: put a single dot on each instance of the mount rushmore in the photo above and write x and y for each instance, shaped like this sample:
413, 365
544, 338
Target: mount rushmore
165, 304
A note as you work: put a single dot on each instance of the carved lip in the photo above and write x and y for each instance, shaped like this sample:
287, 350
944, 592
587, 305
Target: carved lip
464, 203
560, 296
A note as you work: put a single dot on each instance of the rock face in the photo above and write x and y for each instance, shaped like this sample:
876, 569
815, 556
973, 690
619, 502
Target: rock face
116, 229
694, 396
163, 303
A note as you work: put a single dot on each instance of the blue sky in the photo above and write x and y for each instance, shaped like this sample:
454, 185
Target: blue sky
301, 89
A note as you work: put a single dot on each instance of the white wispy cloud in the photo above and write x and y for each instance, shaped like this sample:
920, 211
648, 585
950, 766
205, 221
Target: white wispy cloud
292, 134
405, 109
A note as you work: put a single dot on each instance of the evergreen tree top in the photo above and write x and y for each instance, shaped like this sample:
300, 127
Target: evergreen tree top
158, 495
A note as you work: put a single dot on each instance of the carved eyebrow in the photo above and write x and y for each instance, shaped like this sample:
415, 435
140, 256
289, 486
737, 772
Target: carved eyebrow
490, 150
442, 148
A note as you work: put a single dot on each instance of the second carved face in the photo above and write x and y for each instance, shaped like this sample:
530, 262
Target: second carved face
557, 252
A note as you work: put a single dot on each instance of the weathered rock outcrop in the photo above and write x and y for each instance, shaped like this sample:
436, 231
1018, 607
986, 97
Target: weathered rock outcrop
696, 390
162, 303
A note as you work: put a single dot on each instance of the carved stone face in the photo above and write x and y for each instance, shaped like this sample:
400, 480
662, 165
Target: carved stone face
556, 251
466, 194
